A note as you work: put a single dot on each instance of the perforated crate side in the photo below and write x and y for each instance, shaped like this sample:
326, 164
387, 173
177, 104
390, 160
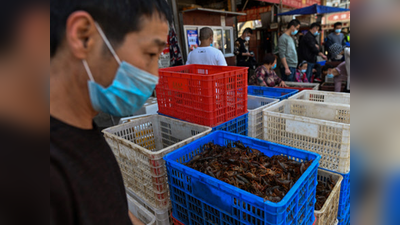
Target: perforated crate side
200, 199
162, 216
317, 127
256, 105
139, 147
140, 212
322, 96
238, 125
328, 213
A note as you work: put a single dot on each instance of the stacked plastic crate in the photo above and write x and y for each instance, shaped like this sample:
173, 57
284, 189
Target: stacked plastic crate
214, 96
319, 122
139, 147
201, 199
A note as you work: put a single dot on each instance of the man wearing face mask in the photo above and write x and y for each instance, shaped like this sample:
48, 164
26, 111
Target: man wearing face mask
243, 56
104, 58
309, 49
335, 37
287, 51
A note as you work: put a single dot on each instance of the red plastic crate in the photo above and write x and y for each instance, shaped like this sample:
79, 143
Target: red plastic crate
202, 94
175, 221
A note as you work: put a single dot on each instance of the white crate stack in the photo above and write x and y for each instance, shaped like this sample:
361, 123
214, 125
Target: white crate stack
255, 106
139, 147
141, 212
312, 126
322, 96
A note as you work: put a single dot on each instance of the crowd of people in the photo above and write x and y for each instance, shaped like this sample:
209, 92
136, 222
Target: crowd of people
298, 61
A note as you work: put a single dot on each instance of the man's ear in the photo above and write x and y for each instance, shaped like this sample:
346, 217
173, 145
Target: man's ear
80, 33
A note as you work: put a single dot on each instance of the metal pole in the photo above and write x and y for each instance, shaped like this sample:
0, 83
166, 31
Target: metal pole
245, 4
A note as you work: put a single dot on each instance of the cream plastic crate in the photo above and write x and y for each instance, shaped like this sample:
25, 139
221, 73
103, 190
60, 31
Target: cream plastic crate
313, 126
322, 96
162, 216
314, 86
141, 212
139, 147
255, 106
329, 211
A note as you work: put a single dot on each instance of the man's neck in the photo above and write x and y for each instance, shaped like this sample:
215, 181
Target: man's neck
288, 32
205, 45
69, 97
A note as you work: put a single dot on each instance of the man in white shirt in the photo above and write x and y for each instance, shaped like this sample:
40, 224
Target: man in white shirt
206, 54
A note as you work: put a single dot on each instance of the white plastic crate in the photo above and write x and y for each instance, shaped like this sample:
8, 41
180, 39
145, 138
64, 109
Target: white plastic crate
141, 212
313, 126
314, 86
337, 222
162, 216
255, 106
139, 147
329, 211
322, 96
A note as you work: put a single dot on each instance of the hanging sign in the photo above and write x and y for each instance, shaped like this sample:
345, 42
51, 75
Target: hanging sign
193, 39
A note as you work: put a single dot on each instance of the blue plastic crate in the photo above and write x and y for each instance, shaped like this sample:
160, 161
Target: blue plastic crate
345, 219
344, 199
269, 92
322, 63
238, 125
201, 199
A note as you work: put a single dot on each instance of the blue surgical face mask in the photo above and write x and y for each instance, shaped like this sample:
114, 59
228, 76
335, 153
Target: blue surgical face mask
329, 76
129, 91
338, 30
294, 32
316, 33
274, 67
303, 71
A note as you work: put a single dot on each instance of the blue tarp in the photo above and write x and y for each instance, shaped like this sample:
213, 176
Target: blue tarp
314, 9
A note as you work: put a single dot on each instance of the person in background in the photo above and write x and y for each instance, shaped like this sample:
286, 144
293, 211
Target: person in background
301, 75
309, 49
205, 54
243, 56
335, 37
325, 70
287, 50
104, 58
265, 75
337, 53
339, 74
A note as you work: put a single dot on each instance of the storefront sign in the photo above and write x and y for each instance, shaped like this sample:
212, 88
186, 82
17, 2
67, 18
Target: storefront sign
193, 39
338, 17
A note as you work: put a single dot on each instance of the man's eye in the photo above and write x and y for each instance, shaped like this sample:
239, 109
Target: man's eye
152, 55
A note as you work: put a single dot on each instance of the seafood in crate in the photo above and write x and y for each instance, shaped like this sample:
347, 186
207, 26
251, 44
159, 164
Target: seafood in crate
248, 169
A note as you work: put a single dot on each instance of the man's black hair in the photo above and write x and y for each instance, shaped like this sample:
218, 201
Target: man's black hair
315, 25
269, 59
116, 17
248, 30
337, 24
10, 11
294, 23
